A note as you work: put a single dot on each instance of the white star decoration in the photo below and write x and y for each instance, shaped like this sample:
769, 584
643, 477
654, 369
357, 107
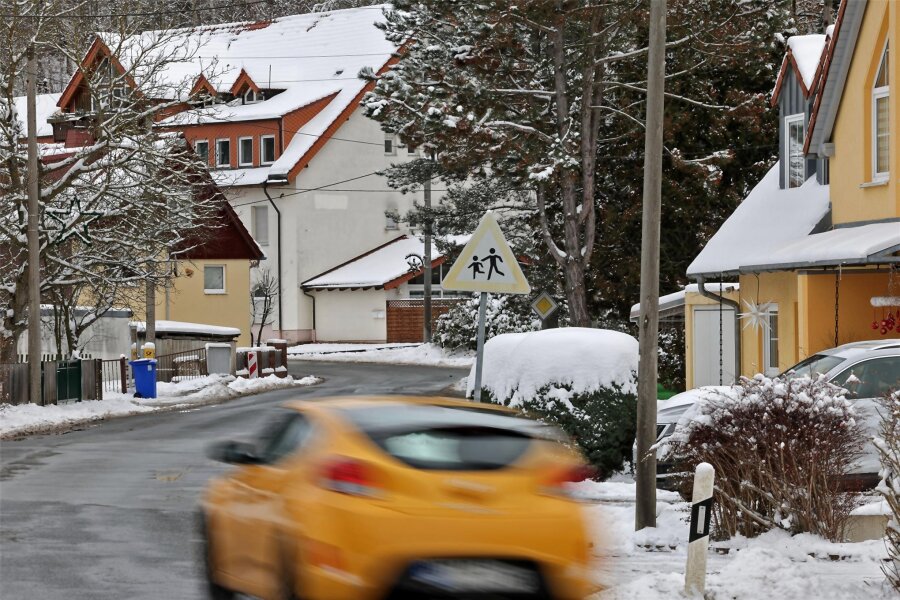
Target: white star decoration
756, 315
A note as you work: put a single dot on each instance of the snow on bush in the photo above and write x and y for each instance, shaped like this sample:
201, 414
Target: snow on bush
888, 445
583, 380
458, 327
780, 449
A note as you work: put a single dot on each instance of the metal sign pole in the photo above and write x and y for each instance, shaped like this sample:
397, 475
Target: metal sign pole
479, 356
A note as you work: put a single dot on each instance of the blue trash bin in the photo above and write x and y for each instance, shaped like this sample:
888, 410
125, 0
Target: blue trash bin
144, 371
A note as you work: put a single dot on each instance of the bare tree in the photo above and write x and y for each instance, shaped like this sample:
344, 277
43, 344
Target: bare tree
263, 297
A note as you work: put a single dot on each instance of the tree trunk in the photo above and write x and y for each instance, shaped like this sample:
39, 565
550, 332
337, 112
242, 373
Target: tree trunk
576, 294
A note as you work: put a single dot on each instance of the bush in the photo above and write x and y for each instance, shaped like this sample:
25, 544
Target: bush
888, 445
458, 327
601, 422
780, 449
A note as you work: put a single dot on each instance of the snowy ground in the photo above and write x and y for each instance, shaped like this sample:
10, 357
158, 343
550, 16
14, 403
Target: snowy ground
30, 418
398, 354
649, 565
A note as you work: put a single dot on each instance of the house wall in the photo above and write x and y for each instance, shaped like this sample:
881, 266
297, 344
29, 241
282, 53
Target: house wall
770, 288
792, 102
851, 166
188, 302
325, 228
352, 316
855, 312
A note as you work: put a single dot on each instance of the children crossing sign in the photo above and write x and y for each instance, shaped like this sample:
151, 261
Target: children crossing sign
487, 264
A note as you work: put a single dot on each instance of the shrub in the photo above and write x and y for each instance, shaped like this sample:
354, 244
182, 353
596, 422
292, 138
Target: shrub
888, 445
458, 327
780, 449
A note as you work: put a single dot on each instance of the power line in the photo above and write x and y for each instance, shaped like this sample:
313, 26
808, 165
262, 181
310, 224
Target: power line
134, 14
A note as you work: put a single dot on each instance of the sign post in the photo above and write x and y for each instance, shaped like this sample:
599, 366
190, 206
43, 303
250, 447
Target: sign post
486, 265
698, 539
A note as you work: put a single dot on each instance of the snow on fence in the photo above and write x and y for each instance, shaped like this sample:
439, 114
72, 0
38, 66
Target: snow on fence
180, 366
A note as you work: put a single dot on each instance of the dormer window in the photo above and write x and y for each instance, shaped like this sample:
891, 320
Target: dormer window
881, 133
795, 162
250, 96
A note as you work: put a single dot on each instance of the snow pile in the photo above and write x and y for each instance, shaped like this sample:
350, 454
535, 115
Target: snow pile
807, 51
649, 564
31, 418
517, 365
420, 354
336, 348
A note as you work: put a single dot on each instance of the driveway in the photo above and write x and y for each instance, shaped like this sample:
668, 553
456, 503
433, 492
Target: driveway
107, 511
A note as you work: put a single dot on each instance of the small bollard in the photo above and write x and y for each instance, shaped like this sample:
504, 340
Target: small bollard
698, 540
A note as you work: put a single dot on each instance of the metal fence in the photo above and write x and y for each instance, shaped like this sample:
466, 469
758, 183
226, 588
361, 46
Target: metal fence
179, 366
115, 375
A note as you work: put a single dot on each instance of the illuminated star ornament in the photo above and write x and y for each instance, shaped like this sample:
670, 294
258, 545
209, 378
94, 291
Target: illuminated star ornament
756, 315
71, 221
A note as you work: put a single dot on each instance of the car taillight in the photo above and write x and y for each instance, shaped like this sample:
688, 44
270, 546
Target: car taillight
352, 477
555, 484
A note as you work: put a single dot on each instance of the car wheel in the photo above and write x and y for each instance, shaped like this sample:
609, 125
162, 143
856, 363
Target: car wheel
213, 589
288, 578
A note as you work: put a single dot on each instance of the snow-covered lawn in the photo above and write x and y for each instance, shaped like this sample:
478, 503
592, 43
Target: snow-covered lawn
30, 418
399, 354
645, 566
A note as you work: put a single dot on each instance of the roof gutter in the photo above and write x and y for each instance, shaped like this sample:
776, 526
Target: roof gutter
701, 287
278, 213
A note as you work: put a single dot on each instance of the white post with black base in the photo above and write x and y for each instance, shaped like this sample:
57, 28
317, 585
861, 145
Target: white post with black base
698, 540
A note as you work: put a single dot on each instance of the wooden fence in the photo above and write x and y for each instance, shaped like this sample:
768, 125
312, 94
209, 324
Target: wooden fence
61, 381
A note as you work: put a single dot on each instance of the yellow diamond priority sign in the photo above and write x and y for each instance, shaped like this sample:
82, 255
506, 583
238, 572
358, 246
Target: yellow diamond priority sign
544, 305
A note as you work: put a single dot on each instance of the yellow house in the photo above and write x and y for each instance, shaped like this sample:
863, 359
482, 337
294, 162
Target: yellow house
212, 280
815, 246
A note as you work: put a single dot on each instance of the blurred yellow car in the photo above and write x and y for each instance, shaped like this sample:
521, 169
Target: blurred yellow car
388, 498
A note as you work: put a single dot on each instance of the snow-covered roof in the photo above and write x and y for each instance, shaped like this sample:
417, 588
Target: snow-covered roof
385, 266
45, 105
768, 219
187, 328
807, 50
676, 299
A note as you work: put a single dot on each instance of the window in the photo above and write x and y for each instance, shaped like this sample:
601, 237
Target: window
770, 340
266, 149
201, 147
284, 436
249, 96
245, 152
223, 153
872, 378
261, 225
389, 146
881, 133
795, 163
214, 279
410, 149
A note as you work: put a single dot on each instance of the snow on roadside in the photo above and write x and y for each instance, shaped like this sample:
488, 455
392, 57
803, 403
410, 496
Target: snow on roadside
419, 354
649, 564
30, 418
327, 348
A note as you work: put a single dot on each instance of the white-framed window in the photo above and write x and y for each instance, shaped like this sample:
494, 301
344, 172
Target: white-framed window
223, 153
250, 96
201, 148
214, 279
794, 161
266, 149
770, 341
390, 148
261, 224
881, 132
245, 152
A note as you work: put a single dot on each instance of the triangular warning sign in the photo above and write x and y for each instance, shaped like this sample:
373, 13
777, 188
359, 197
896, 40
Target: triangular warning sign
487, 264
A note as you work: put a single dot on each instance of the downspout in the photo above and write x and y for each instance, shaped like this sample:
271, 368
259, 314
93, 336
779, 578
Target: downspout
701, 283
313, 298
278, 214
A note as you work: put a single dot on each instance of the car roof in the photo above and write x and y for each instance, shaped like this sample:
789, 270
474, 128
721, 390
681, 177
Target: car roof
865, 345
350, 402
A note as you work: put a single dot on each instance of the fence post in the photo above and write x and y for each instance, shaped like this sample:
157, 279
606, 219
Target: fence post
123, 374
98, 379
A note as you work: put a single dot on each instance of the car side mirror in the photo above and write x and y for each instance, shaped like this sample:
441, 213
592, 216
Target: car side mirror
233, 453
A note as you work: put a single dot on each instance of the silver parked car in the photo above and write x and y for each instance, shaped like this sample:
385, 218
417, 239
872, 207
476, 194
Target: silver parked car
868, 370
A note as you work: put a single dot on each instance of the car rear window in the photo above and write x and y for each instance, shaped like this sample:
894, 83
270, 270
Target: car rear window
444, 438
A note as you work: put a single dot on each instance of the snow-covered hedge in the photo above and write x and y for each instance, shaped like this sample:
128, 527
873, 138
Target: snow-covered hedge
888, 445
780, 449
583, 380
458, 327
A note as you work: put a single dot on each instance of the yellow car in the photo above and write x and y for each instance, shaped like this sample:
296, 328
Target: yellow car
384, 498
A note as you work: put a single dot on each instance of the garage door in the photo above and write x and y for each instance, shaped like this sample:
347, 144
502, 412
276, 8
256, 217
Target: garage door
707, 349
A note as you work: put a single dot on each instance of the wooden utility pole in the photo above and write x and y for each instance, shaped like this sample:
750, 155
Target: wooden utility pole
426, 309
150, 324
34, 250
645, 509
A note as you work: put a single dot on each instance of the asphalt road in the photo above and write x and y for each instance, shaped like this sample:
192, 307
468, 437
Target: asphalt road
108, 511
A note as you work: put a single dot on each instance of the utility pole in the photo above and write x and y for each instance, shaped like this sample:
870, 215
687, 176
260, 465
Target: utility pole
150, 324
645, 508
34, 250
427, 258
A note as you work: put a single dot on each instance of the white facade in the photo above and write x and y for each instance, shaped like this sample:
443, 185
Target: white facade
323, 228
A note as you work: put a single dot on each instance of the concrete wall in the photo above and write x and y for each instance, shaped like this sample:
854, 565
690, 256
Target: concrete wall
107, 338
851, 166
325, 228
